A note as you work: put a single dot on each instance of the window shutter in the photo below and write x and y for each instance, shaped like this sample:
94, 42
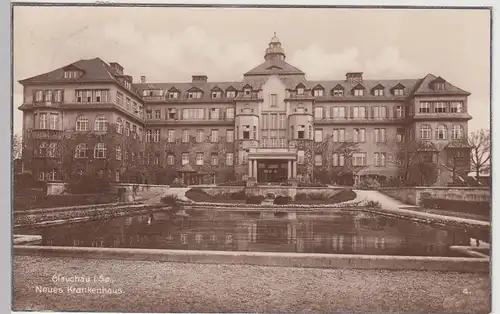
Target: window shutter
331, 112
366, 113
352, 112
372, 113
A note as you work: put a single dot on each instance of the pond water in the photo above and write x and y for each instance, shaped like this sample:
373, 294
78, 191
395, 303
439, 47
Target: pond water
336, 233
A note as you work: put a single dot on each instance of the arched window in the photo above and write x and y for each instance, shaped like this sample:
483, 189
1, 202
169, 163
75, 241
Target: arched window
119, 125
457, 132
82, 123
425, 132
335, 159
441, 132
101, 123
100, 150
52, 150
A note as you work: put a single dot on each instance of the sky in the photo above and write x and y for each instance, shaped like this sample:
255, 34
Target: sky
172, 44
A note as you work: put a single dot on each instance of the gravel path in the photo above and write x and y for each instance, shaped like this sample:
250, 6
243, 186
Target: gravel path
174, 287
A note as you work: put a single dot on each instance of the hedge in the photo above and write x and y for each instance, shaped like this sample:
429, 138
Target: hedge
48, 201
471, 207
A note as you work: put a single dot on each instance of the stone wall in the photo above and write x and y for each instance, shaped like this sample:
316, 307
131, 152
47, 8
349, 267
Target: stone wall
413, 195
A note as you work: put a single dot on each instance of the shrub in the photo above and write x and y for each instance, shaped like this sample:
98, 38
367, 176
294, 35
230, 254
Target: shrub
169, 199
255, 199
177, 185
66, 200
198, 195
88, 184
240, 195
343, 196
312, 185
282, 200
373, 204
270, 195
473, 207
369, 184
301, 197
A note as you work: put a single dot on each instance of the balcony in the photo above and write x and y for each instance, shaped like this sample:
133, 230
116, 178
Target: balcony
45, 134
219, 121
351, 120
273, 151
442, 116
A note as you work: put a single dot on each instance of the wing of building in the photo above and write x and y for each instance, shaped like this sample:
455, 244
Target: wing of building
274, 125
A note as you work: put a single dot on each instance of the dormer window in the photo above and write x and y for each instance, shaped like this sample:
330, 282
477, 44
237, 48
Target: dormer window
338, 92
71, 74
231, 94
318, 92
358, 92
173, 95
127, 84
300, 91
194, 95
378, 92
439, 85
247, 91
398, 92
216, 94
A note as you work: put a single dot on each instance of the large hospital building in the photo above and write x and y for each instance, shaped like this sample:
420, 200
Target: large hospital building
273, 125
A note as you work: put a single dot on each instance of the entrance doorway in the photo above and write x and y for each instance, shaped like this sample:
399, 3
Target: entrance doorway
272, 171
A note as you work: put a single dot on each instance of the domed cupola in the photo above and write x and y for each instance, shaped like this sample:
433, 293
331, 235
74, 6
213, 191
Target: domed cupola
275, 52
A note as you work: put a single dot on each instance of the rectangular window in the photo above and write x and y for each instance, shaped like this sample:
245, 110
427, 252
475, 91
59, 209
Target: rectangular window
127, 128
425, 107
214, 113
338, 92
54, 121
100, 151
199, 159
42, 118
300, 157
379, 135
149, 114
170, 136
230, 136
274, 100
380, 112
359, 159
200, 136
400, 135
318, 113
128, 104
158, 114
456, 107
246, 132
214, 158
378, 92
400, 112
185, 136
318, 135
231, 94
185, 159
379, 159
149, 136
318, 160
318, 92
359, 92
170, 159
48, 96
244, 156
398, 92
282, 119
156, 135
173, 95
119, 99
230, 113
229, 159
214, 135
439, 107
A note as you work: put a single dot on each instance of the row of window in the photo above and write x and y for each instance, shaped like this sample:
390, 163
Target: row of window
441, 132
191, 114
92, 95
100, 123
441, 107
358, 135
49, 95
363, 112
195, 93
358, 90
48, 121
273, 121
359, 159
129, 105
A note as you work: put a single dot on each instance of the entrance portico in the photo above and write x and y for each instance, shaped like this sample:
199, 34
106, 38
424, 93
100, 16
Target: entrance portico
272, 165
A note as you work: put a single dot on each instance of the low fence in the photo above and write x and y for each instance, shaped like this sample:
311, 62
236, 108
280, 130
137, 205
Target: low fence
275, 190
414, 195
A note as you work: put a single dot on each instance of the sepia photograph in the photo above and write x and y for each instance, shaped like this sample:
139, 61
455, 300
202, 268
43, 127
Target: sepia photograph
218, 159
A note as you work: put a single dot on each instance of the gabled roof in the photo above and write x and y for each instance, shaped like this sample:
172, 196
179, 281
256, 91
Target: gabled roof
300, 85
94, 70
279, 67
337, 87
360, 86
424, 88
318, 86
216, 88
172, 89
398, 86
195, 89
378, 86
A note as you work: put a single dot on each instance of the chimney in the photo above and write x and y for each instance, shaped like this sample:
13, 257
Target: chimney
128, 78
354, 77
143, 79
117, 67
200, 78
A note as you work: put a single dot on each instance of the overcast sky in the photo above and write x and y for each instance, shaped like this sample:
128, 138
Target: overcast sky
171, 44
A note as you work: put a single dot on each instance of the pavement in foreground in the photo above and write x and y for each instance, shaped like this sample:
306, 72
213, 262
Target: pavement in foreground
176, 287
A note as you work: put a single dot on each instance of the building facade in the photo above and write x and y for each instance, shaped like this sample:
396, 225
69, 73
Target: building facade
272, 126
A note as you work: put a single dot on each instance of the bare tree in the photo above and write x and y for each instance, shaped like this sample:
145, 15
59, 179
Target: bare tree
480, 144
